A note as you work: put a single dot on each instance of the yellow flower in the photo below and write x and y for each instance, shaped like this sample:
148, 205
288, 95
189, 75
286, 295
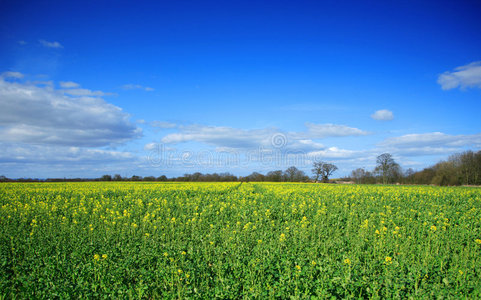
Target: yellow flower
433, 228
477, 241
313, 263
282, 238
183, 253
347, 261
179, 271
365, 224
96, 257
298, 268
388, 260
461, 272
377, 232
166, 254
104, 256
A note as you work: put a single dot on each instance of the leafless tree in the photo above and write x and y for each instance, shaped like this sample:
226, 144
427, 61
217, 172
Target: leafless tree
323, 170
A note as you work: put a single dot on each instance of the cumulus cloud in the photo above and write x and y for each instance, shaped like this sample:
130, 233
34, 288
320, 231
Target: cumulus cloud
162, 124
50, 44
317, 131
73, 89
27, 160
85, 92
221, 136
10, 74
433, 139
137, 87
468, 76
383, 115
334, 152
68, 84
54, 154
236, 138
433, 143
35, 114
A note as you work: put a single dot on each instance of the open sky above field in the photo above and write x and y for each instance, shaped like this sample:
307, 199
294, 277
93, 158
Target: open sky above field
172, 87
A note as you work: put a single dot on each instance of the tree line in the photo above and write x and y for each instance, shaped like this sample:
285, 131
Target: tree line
459, 169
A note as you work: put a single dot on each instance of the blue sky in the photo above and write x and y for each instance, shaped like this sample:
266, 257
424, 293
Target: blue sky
174, 87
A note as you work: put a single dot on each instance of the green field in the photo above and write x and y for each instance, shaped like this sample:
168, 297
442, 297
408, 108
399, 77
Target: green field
232, 240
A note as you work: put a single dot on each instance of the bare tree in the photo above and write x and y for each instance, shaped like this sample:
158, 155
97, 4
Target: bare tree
358, 175
294, 174
387, 167
275, 176
323, 170
291, 173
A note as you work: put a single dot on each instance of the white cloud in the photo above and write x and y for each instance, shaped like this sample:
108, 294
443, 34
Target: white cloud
463, 77
383, 115
150, 146
50, 44
9, 74
137, 87
162, 124
235, 138
41, 161
221, 136
311, 144
42, 115
434, 143
73, 89
22, 43
69, 84
433, 139
51, 154
334, 152
85, 92
317, 131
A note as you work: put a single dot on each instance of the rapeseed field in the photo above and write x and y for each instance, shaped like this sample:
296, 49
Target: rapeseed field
233, 240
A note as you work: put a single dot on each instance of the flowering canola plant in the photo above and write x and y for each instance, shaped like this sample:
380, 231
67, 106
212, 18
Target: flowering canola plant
233, 240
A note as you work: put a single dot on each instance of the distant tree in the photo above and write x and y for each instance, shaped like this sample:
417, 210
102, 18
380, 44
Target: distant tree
162, 178
149, 178
358, 175
468, 165
387, 168
106, 178
446, 174
255, 176
425, 176
227, 177
323, 170
293, 174
275, 176
135, 178
117, 177
409, 176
